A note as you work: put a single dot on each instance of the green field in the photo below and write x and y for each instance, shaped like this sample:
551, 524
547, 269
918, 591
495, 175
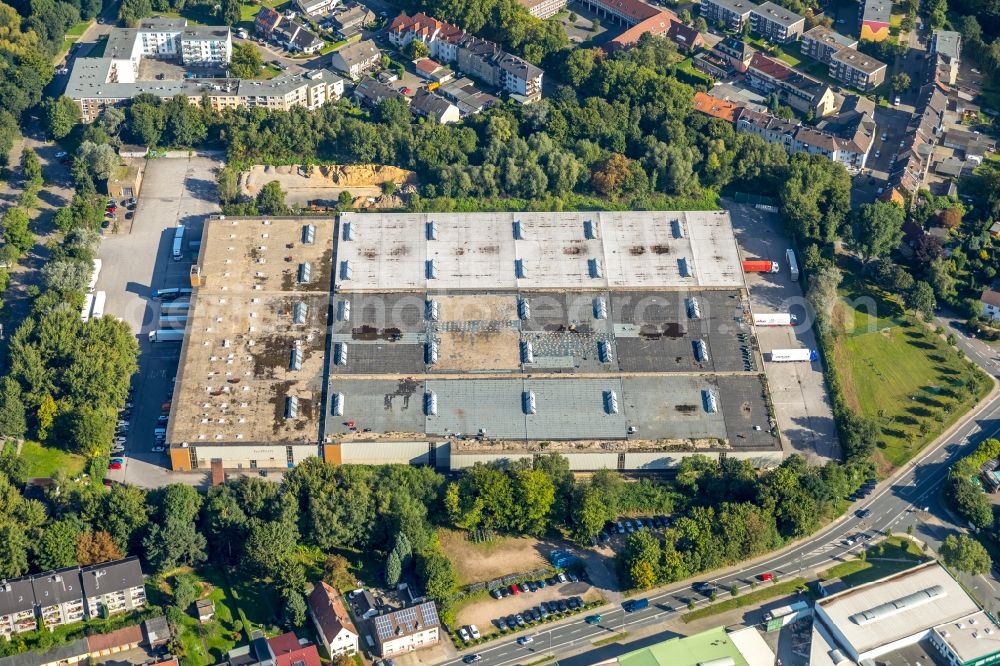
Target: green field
898, 372
897, 554
44, 461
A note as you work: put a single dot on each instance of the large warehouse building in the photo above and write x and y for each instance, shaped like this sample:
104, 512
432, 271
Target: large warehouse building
920, 615
620, 340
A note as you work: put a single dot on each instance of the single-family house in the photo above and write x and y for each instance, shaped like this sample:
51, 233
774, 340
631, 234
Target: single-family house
357, 59
333, 623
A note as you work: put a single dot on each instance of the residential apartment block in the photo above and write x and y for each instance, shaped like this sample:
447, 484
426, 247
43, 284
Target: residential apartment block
543, 9
850, 149
17, 607
97, 83
821, 43
641, 18
946, 49
874, 18
802, 93
314, 8
407, 630
113, 587
732, 14
173, 38
774, 22
857, 69
332, 622
477, 57
357, 59
70, 595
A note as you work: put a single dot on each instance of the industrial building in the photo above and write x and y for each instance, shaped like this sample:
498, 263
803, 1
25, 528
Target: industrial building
918, 615
249, 387
742, 646
618, 339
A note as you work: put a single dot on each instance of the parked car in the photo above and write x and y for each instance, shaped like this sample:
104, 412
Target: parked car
114, 465
496, 594
61, 154
504, 592
523, 587
463, 634
500, 623
531, 586
573, 578
514, 590
520, 620
474, 632
540, 584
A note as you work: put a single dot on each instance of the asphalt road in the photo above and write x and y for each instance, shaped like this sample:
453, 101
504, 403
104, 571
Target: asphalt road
913, 497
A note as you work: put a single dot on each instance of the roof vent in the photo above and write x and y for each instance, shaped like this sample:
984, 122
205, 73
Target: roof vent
295, 362
430, 403
431, 353
291, 407
677, 227
523, 309
700, 351
693, 308
611, 402
527, 353
528, 402
709, 400
519, 271
337, 408
518, 230
682, 267
600, 309
346, 269
348, 234
431, 310
309, 234
589, 230
604, 351
594, 268
299, 312
430, 269
432, 231
340, 353
344, 310
305, 272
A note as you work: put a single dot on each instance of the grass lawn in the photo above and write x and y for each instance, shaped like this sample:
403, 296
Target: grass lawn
897, 372
883, 559
781, 589
205, 644
44, 461
686, 67
333, 46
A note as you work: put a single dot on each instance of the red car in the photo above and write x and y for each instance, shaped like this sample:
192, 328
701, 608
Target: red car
406, 91
767, 576
514, 590
115, 466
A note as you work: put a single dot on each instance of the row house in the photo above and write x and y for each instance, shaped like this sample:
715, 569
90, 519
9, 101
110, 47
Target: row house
946, 49
480, 58
851, 149
774, 22
357, 59
799, 91
70, 595
921, 135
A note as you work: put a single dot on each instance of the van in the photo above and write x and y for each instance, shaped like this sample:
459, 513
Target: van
633, 605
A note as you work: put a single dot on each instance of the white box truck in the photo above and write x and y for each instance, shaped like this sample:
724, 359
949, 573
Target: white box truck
167, 335
96, 273
88, 305
793, 266
773, 319
178, 250
100, 298
793, 355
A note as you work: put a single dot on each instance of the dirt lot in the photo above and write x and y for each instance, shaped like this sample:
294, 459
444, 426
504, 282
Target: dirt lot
483, 612
484, 561
325, 183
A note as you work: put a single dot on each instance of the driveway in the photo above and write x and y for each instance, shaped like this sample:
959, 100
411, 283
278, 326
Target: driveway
801, 403
176, 190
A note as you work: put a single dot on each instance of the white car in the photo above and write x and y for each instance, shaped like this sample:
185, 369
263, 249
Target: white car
463, 634
474, 631
61, 153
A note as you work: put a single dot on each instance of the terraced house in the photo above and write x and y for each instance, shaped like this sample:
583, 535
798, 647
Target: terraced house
70, 595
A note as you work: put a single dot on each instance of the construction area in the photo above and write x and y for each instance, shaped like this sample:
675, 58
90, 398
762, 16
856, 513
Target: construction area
319, 186
251, 373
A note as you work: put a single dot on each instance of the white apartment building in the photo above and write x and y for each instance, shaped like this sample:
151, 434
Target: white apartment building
17, 607
407, 630
113, 587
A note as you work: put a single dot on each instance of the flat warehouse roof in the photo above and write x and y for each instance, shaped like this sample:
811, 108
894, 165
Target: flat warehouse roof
546, 251
662, 410
252, 360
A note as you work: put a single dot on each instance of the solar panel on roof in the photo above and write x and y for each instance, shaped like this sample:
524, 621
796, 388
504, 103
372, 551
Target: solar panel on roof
299, 313
305, 272
291, 407
295, 363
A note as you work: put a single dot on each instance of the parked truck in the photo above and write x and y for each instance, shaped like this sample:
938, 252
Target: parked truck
96, 273
178, 249
793, 265
177, 308
793, 355
760, 266
88, 305
166, 335
773, 319
100, 298
173, 321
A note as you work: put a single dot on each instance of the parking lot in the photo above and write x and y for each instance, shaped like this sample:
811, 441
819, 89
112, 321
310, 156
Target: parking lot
176, 190
487, 614
801, 403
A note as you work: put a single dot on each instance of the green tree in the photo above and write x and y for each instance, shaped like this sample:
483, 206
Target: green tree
966, 554
438, 575
393, 569
815, 197
229, 12
31, 166
46, 415
96, 548
345, 199
294, 611
13, 550
246, 62
641, 558
90, 429
100, 160
921, 299
228, 182
271, 199
417, 49
15, 226
62, 114
269, 547
13, 421
878, 229
56, 546
901, 83
124, 514
185, 591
